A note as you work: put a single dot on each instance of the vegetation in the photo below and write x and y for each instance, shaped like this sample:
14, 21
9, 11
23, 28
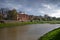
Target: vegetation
12, 14
1, 16
52, 35
8, 14
13, 24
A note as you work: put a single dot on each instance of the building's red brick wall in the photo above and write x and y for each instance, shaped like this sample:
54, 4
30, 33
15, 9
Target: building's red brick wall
22, 17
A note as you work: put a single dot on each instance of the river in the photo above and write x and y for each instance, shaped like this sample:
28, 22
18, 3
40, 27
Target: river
27, 32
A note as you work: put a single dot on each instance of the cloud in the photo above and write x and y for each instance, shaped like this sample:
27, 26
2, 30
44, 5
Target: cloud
34, 7
55, 14
47, 6
28, 9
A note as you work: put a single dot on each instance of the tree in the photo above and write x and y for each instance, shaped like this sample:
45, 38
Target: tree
1, 16
49, 18
12, 14
3, 13
40, 18
53, 18
45, 17
58, 19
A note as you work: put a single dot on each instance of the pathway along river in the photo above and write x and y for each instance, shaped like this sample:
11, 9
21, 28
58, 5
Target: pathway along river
27, 32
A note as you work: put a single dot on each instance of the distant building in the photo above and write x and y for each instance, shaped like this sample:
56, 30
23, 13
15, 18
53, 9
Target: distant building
22, 17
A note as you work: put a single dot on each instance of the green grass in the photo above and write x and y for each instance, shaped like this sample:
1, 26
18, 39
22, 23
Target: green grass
2, 25
13, 24
52, 35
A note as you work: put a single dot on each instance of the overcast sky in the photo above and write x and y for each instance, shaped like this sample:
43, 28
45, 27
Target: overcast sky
34, 7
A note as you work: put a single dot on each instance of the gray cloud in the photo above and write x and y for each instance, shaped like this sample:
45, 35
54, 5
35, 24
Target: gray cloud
35, 7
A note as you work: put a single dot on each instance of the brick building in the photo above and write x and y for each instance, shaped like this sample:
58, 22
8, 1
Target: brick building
22, 17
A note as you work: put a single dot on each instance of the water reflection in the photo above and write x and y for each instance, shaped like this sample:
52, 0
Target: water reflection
27, 32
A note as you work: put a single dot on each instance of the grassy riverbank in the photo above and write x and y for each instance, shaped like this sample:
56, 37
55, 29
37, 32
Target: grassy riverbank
52, 35
13, 24
50, 22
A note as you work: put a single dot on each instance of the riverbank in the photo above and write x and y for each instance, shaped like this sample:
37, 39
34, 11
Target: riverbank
13, 24
52, 35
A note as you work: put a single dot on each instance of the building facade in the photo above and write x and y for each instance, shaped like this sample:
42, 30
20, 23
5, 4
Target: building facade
22, 17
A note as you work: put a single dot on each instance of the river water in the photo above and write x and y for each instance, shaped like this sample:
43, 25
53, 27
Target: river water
27, 32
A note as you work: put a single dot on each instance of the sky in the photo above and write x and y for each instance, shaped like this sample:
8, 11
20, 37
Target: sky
34, 7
